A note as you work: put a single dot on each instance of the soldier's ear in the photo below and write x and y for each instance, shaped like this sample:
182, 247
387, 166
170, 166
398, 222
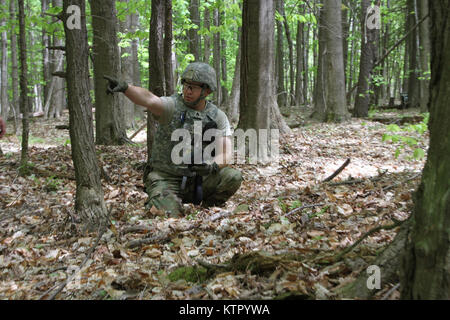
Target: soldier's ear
208, 91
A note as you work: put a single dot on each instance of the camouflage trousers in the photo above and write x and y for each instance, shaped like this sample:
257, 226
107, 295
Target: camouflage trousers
164, 190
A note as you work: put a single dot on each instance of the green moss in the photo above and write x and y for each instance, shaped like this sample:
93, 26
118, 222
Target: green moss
190, 274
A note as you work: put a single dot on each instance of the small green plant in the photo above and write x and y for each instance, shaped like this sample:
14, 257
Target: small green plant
52, 184
318, 214
407, 141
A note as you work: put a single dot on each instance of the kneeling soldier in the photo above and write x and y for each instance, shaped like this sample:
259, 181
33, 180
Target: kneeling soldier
210, 182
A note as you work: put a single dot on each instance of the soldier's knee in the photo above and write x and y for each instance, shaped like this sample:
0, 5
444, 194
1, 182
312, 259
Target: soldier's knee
232, 177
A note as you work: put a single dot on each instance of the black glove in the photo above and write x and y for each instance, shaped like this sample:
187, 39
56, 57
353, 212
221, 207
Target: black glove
205, 169
115, 85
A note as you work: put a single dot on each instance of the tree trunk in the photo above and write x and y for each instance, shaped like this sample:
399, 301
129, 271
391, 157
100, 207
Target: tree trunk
156, 63
336, 105
424, 35
366, 64
426, 269
299, 65
319, 112
4, 69
45, 53
413, 80
194, 40
89, 202
24, 106
279, 61
168, 38
258, 104
206, 37
233, 110
110, 125
217, 59
291, 55
14, 68
138, 110
126, 65
58, 99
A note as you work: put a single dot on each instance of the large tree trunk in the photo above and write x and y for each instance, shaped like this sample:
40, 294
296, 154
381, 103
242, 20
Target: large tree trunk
366, 64
258, 104
336, 105
24, 105
110, 121
89, 202
426, 269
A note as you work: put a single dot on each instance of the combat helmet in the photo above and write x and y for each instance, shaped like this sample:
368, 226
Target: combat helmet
200, 72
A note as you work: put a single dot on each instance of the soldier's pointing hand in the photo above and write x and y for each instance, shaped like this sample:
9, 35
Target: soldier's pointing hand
115, 85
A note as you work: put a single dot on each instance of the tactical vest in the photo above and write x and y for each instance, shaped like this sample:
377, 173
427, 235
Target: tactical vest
183, 117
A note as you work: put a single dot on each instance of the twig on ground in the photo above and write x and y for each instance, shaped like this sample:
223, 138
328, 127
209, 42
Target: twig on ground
69, 279
304, 207
388, 294
364, 236
346, 163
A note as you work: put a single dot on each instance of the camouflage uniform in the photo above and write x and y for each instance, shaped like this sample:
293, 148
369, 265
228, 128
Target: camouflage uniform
163, 183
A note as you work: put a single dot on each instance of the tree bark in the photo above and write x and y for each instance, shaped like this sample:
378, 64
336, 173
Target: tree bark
336, 105
426, 264
156, 63
217, 58
233, 110
319, 112
89, 202
424, 51
4, 69
258, 106
24, 105
110, 125
168, 38
299, 65
45, 53
14, 67
367, 61
279, 61
206, 37
413, 78
194, 39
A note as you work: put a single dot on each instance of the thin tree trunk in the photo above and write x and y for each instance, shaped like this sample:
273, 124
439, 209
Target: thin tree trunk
45, 53
4, 70
291, 56
156, 63
194, 40
24, 106
299, 65
206, 37
367, 61
217, 59
233, 110
279, 61
168, 38
89, 203
14, 67
425, 48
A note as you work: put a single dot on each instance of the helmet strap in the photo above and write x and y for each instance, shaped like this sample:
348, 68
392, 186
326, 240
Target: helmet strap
194, 103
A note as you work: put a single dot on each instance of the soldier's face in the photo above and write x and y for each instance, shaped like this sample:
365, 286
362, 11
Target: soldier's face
192, 91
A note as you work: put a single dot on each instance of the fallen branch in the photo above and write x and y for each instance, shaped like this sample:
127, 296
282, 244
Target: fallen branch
69, 279
346, 163
304, 207
396, 224
139, 130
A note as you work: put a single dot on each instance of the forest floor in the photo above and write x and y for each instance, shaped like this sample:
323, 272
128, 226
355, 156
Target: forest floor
255, 247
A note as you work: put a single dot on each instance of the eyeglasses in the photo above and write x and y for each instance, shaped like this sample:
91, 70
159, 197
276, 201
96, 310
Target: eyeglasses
191, 87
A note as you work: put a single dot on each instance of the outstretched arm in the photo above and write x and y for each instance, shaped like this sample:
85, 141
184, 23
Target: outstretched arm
137, 95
